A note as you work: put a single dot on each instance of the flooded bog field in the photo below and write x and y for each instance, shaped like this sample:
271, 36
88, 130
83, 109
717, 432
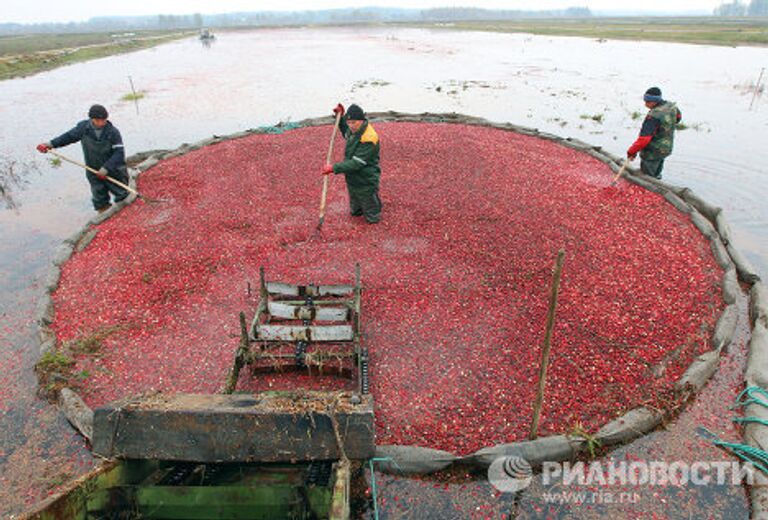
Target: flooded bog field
455, 280
571, 87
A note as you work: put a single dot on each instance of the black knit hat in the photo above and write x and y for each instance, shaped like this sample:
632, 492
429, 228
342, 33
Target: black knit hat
653, 94
98, 112
355, 113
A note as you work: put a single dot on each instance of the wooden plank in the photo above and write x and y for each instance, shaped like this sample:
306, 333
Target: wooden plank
282, 288
241, 357
332, 314
77, 412
335, 290
206, 428
302, 333
286, 289
332, 333
302, 312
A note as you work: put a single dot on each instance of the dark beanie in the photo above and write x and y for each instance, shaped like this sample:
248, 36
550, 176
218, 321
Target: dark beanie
97, 112
355, 113
653, 94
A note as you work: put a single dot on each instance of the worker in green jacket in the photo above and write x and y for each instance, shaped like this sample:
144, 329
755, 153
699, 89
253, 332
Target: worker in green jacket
657, 134
361, 163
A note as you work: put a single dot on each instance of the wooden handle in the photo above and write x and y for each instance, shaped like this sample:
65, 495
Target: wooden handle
328, 160
110, 179
333, 138
621, 171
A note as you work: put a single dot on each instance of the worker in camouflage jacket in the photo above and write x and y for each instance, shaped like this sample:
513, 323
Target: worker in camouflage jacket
657, 134
103, 151
361, 163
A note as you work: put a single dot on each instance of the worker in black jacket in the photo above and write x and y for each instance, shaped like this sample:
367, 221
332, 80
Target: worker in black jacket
103, 151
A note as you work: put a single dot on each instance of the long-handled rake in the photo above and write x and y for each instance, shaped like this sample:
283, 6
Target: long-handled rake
110, 179
621, 172
325, 177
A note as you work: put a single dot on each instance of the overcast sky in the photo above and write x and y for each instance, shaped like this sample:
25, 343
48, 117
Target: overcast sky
78, 10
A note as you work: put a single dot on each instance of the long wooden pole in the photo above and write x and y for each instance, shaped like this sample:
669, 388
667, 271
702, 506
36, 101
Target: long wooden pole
241, 357
621, 172
547, 344
757, 87
325, 177
135, 97
110, 179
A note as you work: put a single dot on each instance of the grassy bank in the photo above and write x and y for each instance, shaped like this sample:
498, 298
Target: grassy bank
700, 30
28, 54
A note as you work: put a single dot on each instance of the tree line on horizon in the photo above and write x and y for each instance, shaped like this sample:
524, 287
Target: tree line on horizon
279, 18
737, 8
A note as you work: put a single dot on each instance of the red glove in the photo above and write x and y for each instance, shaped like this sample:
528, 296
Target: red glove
43, 147
102, 174
338, 109
327, 169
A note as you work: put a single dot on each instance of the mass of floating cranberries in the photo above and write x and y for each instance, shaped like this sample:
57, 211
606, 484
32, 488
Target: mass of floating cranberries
456, 280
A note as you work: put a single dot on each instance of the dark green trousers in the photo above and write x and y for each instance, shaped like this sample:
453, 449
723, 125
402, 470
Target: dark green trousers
365, 202
100, 189
652, 167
